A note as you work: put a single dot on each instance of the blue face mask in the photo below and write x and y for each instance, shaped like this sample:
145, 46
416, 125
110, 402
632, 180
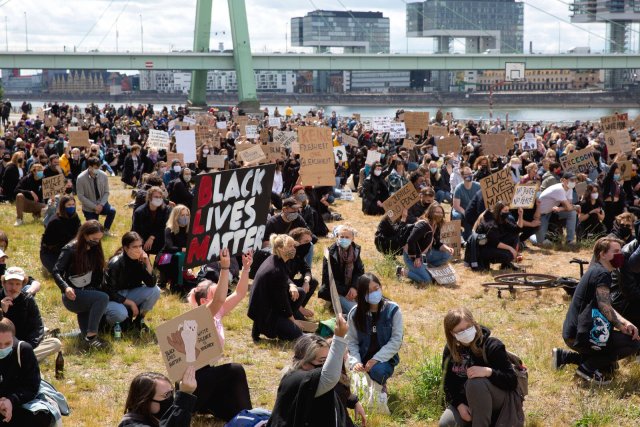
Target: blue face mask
344, 242
433, 170
4, 352
374, 297
70, 210
39, 174
616, 177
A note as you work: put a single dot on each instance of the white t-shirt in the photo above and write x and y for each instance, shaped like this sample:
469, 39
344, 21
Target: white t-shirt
554, 196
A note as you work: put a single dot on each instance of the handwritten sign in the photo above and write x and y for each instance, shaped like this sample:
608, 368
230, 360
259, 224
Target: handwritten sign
284, 138
449, 144
251, 131
438, 131
274, 151
625, 169
451, 236
215, 162
443, 275
53, 185
207, 135
493, 144
618, 141
408, 143
274, 122
581, 161
190, 339
123, 140
79, 139
402, 199
372, 157
381, 124
397, 130
171, 156
614, 122
188, 120
316, 156
253, 155
340, 154
416, 122
497, 187
349, 140
524, 196
158, 139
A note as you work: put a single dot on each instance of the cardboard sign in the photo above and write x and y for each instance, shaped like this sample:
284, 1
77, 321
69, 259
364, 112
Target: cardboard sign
349, 140
158, 139
274, 122
614, 122
79, 139
438, 131
252, 155
497, 187
207, 135
123, 140
274, 151
264, 135
335, 296
416, 122
443, 275
529, 142
229, 210
356, 116
524, 196
618, 141
53, 185
340, 154
206, 119
306, 326
402, 199
51, 121
284, 138
448, 144
451, 236
397, 130
242, 122
316, 156
581, 161
73, 129
295, 147
625, 169
409, 143
493, 144
215, 162
190, 339
581, 187
186, 144
372, 157
171, 156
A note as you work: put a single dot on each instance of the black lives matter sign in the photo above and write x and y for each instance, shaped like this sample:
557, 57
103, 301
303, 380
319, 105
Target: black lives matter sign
229, 211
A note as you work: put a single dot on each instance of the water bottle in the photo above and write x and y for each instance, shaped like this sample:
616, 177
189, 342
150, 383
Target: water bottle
117, 331
59, 366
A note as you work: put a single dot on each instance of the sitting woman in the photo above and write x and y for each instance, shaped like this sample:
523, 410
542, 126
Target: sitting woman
346, 268
130, 283
151, 401
59, 231
424, 246
502, 241
274, 298
180, 189
374, 191
376, 334
170, 260
223, 390
591, 214
478, 375
150, 219
306, 394
79, 274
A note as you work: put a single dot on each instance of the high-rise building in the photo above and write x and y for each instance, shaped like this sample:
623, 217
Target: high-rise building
356, 32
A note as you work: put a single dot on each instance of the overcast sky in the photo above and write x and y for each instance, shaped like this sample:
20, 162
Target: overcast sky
168, 24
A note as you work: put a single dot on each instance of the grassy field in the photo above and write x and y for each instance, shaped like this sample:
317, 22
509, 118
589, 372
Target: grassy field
96, 383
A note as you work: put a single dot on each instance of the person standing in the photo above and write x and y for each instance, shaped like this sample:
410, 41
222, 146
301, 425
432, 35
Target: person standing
93, 191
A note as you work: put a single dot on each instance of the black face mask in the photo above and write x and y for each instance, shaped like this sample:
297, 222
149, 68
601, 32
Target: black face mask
625, 230
303, 250
504, 215
316, 366
164, 405
93, 243
68, 190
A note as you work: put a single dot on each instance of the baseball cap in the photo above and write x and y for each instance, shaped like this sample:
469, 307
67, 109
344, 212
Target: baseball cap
14, 273
569, 175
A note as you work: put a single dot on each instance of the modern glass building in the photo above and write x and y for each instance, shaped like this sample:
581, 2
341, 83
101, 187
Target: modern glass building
356, 32
494, 24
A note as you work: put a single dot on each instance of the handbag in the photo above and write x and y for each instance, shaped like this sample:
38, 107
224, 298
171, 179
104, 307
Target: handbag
165, 259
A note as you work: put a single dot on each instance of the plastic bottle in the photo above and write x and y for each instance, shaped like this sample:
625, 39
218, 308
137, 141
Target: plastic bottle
117, 331
59, 366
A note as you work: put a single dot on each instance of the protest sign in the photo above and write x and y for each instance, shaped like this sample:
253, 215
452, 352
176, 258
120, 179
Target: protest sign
340, 154
397, 130
618, 141
497, 187
221, 125
581, 161
158, 139
284, 138
333, 290
409, 143
216, 162
316, 156
443, 275
53, 185
349, 140
73, 129
242, 121
186, 144
171, 156
614, 122
448, 144
190, 339
123, 140
372, 157
416, 122
295, 147
451, 236
51, 121
229, 210
493, 143
207, 135
448, 117
581, 187
306, 325
274, 122
264, 135
205, 119
625, 169
402, 199
188, 120
529, 142
274, 151
79, 139
381, 124
356, 116
438, 131
524, 196
253, 155
251, 131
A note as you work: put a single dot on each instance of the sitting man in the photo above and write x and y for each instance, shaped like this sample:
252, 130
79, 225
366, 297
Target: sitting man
286, 221
298, 266
558, 199
23, 311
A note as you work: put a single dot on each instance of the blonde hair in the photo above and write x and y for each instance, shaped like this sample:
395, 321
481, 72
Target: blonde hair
172, 222
453, 319
278, 242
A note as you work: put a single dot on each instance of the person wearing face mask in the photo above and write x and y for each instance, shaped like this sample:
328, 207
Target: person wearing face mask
552, 176
151, 401
300, 270
92, 188
79, 273
514, 166
374, 191
13, 172
130, 283
462, 196
376, 335
598, 335
132, 167
28, 194
427, 197
288, 219
591, 214
170, 259
59, 231
150, 219
502, 232
479, 378
481, 167
53, 168
201, 157
557, 200
274, 297
613, 195
309, 214
180, 189
623, 227
172, 173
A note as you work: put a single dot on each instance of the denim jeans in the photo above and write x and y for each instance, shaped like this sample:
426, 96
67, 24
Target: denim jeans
90, 305
435, 258
381, 372
570, 217
144, 297
442, 195
107, 210
467, 227
308, 258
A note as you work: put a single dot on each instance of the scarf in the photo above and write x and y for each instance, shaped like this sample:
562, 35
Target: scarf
347, 258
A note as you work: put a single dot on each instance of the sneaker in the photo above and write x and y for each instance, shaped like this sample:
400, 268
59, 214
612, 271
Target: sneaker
557, 358
108, 233
95, 343
594, 377
382, 403
18, 222
399, 272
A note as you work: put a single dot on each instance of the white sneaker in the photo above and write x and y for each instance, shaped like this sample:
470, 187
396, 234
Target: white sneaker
381, 404
18, 222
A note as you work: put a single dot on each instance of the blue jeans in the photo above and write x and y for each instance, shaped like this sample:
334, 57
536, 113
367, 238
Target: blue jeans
346, 305
467, 227
570, 217
442, 195
435, 258
107, 210
308, 258
90, 306
144, 297
381, 372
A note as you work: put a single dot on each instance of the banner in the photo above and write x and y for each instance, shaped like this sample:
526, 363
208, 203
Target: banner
229, 210
451, 236
285, 138
618, 141
402, 199
79, 139
416, 122
190, 339
524, 196
497, 187
316, 156
581, 161
158, 139
53, 185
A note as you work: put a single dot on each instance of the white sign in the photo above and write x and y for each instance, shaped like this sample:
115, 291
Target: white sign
158, 139
189, 120
274, 122
221, 125
251, 131
123, 140
397, 130
186, 144
372, 157
284, 138
529, 142
381, 124
340, 154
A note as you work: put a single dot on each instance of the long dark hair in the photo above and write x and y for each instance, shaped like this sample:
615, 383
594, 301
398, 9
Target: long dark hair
362, 308
62, 213
141, 392
88, 260
127, 239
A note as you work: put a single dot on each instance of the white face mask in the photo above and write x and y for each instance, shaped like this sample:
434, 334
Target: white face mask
177, 168
571, 185
466, 336
205, 151
377, 172
157, 202
594, 196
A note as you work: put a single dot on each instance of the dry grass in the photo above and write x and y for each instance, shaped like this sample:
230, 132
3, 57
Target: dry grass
96, 384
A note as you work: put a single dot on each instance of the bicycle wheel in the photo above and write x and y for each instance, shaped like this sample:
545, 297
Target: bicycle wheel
531, 280
512, 288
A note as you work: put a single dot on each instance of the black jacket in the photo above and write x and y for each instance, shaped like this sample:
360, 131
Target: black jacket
179, 193
10, 179
129, 172
59, 232
422, 235
28, 184
374, 189
20, 381
178, 415
337, 269
64, 269
146, 224
174, 242
25, 315
123, 273
625, 289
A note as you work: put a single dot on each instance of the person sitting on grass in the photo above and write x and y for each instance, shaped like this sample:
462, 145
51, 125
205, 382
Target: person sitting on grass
130, 283
478, 375
59, 231
170, 260
501, 231
28, 194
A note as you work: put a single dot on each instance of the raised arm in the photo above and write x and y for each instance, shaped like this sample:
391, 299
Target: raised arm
243, 285
223, 284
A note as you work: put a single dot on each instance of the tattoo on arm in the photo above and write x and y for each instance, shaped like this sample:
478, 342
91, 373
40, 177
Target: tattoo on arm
604, 304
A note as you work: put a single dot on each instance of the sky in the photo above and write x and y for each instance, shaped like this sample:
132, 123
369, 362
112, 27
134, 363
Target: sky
168, 25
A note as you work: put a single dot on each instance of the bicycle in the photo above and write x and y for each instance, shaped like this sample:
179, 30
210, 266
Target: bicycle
527, 282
